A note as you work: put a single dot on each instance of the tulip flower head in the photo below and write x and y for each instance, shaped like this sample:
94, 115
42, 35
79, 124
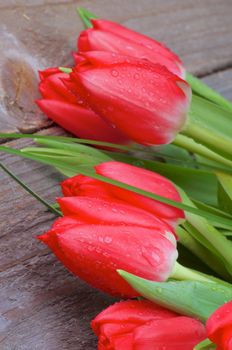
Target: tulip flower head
103, 231
142, 325
145, 101
113, 37
219, 327
70, 111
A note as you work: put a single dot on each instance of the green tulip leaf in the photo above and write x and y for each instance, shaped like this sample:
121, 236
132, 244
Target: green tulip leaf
191, 298
86, 17
225, 191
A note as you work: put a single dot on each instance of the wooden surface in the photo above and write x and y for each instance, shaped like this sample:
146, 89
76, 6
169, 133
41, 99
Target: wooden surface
43, 307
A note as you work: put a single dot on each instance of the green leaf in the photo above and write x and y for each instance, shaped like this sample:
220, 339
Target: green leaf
207, 92
205, 345
191, 298
187, 239
72, 147
29, 190
65, 70
61, 163
175, 155
209, 236
86, 17
209, 115
65, 139
225, 191
213, 210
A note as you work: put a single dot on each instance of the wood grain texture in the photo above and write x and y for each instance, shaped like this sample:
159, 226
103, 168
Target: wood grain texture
42, 33
42, 306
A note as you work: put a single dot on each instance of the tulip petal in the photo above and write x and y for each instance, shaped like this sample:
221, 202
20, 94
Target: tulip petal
80, 121
134, 36
219, 326
134, 312
98, 40
146, 180
145, 101
95, 252
111, 36
181, 333
103, 211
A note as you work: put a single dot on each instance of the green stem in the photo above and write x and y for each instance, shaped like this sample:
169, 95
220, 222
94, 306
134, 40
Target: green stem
183, 273
215, 142
190, 145
35, 195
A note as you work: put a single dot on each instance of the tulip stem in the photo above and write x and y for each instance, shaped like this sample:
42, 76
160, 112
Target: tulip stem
206, 137
190, 145
183, 273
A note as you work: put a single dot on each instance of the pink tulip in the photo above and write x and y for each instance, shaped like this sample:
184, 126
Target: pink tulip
219, 327
104, 230
70, 111
142, 325
145, 101
113, 37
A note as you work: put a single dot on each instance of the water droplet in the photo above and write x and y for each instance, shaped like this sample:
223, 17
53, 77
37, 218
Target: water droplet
114, 73
91, 248
108, 240
136, 76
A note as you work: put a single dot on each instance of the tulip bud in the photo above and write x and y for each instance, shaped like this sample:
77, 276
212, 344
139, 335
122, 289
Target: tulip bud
219, 327
134, 176
142, 325
103, 231
70, 112
113, 37
95, 250
145, 101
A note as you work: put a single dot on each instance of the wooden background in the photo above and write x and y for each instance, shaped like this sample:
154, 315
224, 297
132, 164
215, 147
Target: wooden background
43, 307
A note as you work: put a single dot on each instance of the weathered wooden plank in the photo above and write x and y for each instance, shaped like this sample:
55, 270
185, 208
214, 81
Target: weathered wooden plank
221, 81
45, 308
42, 306
42, 33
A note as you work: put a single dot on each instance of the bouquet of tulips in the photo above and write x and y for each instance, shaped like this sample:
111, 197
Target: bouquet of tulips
149, 178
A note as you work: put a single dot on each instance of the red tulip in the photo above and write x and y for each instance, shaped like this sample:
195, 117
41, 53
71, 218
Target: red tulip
103, 231
145, 101
142, 325
134, 176
70, 112
219, 327
110, 36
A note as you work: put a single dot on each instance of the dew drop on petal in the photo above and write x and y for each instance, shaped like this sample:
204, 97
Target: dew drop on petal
108, 239
136, 76
114, 73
